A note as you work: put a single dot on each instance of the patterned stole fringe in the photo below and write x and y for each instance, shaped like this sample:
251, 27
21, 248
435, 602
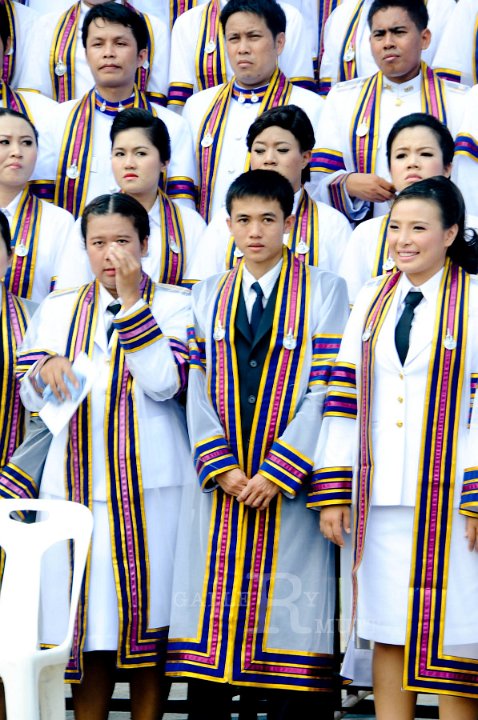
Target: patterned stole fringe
212, 128
9, 60
25, 231
348, 68
137, 644
173, 240
14, 321
178, 7
282, 366
303, 239
76, 152
63, 48
210, 49
365, 126
382, 248
426, 664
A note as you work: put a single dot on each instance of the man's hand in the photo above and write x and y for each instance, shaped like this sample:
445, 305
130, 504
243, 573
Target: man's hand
334, 519
52, 372
258, 492
471, 533
232, 481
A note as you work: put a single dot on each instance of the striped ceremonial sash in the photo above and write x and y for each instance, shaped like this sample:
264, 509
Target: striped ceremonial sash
25, 229
210, 59
63, 48
326, 7
9, 60
138, 645
365, 126
382, 253
15, 101
173, 242
348, 67
212, 128
178, 7
475, 52
76, 151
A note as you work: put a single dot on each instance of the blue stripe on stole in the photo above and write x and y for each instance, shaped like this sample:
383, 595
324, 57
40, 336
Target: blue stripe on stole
466, 145
28, 267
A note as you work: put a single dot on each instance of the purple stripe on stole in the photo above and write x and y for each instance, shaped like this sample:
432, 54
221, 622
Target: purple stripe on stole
16, 402
433, 96
345, 375
206, 152
19, 265
333, 485
220, 574
257, 573
64, 39
139, 330
174, 260
340, 404
285, 355
210, 56
277, 96
78, 142
362, 140
273, 458
471, 486
220, 346
435, 489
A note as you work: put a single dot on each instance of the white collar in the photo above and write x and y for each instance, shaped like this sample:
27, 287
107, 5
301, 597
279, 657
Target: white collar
429, 289
267, 281
406, 88
12, 206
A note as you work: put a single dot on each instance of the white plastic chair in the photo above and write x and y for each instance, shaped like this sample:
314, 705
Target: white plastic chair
33, 678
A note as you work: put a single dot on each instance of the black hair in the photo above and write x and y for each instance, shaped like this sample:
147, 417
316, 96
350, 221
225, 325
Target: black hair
441, 132
270, 10
5, 31
118, 204
111, 12
287, 117
265, 184
416, 9
9, 112
154, 129
449, 200
5, 233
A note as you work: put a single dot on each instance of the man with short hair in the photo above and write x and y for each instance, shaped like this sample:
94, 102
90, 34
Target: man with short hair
115, 41
251, 609
255, 32
359, 114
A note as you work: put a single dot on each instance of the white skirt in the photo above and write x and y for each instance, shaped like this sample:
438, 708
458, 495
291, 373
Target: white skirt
162, 510
384, 582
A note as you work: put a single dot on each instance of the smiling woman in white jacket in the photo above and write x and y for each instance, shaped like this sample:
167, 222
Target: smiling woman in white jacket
124, 453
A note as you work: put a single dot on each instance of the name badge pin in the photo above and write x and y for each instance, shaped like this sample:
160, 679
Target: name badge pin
289, 342
60, 68
389, 264
362, 130
219, 333
241, 99
21, 250
449, 342
254, 97
175, 247
349, 54
210, 47
238, 253
367, 334
206, 140
73, 171
145, 65
103, 106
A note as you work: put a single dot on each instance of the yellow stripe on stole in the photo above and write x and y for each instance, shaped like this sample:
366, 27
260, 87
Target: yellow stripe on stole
69, 51
374, 83
382, 242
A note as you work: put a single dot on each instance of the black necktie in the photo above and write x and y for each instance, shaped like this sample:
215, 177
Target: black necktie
402, 331
257, 308
114, 309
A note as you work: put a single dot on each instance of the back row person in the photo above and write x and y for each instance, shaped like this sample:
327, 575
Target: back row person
359, 114
219, 117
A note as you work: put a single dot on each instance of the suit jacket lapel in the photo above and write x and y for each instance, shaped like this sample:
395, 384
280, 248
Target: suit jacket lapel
242, 323
267, 316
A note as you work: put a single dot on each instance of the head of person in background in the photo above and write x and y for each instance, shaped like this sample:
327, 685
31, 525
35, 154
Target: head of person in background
398, 35
5, 246
282, 139
255, 37
18, 153
427, 225
115, 229
115, 39
259, 204
140, 152
418, 146
5, 38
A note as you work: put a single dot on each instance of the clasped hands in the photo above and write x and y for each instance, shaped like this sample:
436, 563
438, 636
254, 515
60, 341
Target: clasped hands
256, 492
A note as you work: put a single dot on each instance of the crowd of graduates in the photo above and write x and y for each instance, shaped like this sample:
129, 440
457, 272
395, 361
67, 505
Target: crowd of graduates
240, 238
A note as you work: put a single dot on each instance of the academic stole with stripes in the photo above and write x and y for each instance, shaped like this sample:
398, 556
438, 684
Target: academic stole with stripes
426, 667
77, 149
138, 645
210, 61
14, 101
13, 320
173, 241
9, 60
365, 125
25, 230
212, 128
348, 52
303, 239
63, 49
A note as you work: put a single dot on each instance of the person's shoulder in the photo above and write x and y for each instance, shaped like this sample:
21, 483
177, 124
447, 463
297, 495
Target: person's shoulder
164, 290
58, 214
208, 286
330, 214
342, 91
302, 97
37, 101
170, 118
202, 98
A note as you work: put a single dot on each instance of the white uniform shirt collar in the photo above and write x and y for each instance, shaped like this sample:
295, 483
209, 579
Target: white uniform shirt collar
429, 288
266, 282
296, 200
12, 206
106, 299
406, 88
